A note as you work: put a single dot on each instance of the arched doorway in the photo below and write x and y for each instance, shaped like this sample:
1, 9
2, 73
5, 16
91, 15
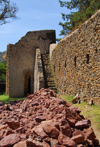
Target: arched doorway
27, 83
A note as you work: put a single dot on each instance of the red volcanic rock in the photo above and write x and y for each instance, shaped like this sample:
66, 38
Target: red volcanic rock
90, 143
13, 124
74, 109
39, 131
65, 128
64, 140
9, 140
78, 132
20, 130
79, 139
40, 118
44, 120
50, 130
96, 142
21, 144
1, 103
83, 124
53, 142
81, 145
33, 143
3, 127
89, 134
71, 122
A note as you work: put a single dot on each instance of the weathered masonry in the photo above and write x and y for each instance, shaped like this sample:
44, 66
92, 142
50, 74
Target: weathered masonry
76, 61
24, 66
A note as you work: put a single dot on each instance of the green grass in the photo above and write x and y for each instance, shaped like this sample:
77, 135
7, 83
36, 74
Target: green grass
91, 112
67, 98
6, 99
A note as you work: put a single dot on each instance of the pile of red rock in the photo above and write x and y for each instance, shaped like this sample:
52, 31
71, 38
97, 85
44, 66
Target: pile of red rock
44, 120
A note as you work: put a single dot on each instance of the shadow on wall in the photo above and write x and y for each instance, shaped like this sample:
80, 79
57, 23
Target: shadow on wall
27, 83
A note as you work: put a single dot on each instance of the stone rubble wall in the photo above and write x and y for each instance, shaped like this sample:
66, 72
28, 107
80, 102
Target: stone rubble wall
21, 60
76, 61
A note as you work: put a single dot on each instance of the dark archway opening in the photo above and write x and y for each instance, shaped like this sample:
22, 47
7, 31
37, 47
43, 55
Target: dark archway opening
65, 63
87, 58
27, 83
29, 86
54, 68
75, 61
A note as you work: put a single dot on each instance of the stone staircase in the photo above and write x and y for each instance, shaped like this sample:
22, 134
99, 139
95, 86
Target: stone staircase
48, 77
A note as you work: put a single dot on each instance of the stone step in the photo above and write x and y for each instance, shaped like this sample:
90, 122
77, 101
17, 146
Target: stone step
49, 80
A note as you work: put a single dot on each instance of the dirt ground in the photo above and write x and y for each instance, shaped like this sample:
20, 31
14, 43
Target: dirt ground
97, 132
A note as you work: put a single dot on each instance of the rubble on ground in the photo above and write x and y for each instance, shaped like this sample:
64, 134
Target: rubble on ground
44, 120
76, 99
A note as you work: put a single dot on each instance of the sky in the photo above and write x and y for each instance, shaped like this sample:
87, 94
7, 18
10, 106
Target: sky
32, 15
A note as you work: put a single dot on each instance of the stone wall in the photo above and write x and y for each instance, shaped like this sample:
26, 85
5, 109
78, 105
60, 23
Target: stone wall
51, 48
21, 61
76, 61
38, 72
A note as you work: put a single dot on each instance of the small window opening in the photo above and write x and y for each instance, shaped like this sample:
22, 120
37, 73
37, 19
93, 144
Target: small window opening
54, 68
96, 50
65, 63
64, 90
87, 58
59, 66
75, 61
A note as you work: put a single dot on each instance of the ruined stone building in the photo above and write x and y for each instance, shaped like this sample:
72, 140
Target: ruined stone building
75, 62
24, 65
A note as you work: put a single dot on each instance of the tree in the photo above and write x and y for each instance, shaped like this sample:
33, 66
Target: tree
7, 11
84, 10
3, 71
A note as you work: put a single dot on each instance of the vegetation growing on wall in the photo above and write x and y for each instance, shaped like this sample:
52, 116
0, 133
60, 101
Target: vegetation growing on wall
84, 10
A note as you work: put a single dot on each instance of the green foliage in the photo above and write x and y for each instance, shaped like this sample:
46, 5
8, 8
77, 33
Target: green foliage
1, 56
84, 10
3, 71
7, 11
58, 39
3, 62
6, 99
